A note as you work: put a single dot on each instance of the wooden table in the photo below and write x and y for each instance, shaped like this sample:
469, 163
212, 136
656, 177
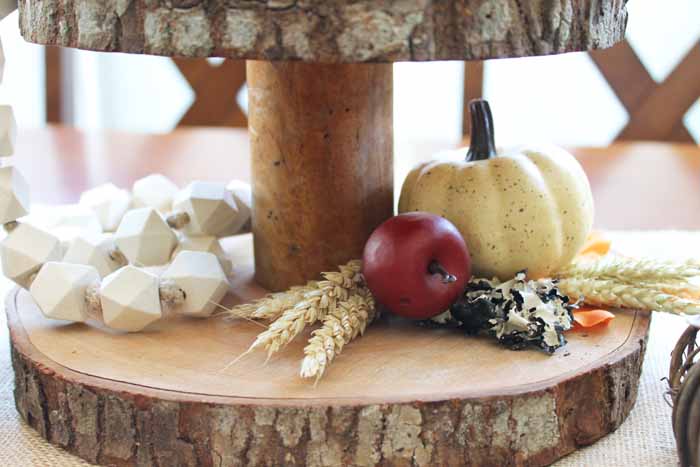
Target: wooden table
636, 186
82, 160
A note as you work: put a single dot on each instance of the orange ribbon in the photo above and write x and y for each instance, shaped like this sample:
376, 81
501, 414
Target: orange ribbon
587, 317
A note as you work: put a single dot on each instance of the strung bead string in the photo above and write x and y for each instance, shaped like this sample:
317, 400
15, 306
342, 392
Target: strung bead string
117, 256
178, 220
92, 302
203, 265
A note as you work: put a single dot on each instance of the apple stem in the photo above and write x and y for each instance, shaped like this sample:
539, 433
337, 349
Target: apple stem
436, 268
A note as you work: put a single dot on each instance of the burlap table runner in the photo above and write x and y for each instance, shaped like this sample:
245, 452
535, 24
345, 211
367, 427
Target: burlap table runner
645, 439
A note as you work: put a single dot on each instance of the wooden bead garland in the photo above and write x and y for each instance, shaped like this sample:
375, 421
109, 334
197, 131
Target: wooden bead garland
100, 277
192, 284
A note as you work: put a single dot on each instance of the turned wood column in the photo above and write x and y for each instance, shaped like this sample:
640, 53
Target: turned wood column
322, 164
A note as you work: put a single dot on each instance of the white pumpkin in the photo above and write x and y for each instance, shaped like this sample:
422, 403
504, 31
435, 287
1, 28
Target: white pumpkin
527, 208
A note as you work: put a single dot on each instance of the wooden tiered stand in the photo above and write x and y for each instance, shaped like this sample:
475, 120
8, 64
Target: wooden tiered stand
320, 124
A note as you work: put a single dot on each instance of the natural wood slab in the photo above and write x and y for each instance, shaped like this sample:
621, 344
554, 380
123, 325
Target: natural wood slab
400, 395
328, 30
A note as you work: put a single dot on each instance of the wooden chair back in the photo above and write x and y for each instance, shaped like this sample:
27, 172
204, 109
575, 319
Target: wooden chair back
655, 110
215, 87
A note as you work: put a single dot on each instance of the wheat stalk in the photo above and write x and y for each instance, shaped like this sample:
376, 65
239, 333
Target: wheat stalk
612, 293
271, 306
314, 305
679, 289
632, 270
339, 328
274, 305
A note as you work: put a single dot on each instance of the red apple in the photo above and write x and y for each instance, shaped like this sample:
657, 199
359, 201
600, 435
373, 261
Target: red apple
416, 264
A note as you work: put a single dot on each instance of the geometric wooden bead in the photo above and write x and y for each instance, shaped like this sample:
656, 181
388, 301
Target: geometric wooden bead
59, 290
208, 244
25, 249
2, 52
130, 299
109, 203
243, 196
155, 191
65, 221
14, 195
200, 276
211, 209
8, 131
145, 238
94, 250
71, 220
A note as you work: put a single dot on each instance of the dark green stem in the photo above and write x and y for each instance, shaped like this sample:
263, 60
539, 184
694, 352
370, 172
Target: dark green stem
482, 144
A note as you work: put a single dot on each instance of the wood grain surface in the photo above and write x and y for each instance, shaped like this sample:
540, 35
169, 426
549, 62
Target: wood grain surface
400, 395
192, 356
322, 162
328, 31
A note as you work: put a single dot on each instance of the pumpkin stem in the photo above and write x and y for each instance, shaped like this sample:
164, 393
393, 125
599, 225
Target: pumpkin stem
482, 144
436, 268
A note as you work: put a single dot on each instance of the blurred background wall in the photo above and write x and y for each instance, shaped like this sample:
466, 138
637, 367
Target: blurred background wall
564, 99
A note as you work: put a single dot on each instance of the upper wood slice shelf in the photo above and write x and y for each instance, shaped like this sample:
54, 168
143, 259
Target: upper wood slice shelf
332, 31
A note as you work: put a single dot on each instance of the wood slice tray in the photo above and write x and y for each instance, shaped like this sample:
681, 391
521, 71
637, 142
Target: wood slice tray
400, 395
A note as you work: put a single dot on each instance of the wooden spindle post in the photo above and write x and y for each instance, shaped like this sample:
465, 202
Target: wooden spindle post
322, 163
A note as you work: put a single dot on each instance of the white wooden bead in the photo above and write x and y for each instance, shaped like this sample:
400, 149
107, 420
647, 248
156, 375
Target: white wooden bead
2, 58
211, 208
94, 250
200, 276
155, 191
14, 195
25, 249
109, 203
145, 238
208, 244
66, 221
73, 220
8, 131
243, 196
130, 299
59, 290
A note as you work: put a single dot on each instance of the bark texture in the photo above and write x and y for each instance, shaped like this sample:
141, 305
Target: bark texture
116, 424
327, 30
